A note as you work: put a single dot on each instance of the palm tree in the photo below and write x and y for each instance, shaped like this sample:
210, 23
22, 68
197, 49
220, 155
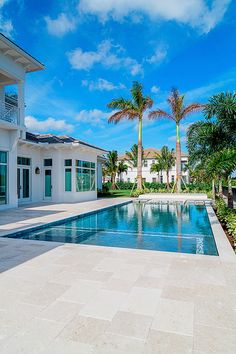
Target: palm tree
111, 166
165, 161
121, 168
178, 112
157, 168
132, 155
133, 109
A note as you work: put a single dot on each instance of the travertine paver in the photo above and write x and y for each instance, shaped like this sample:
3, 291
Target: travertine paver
66, 298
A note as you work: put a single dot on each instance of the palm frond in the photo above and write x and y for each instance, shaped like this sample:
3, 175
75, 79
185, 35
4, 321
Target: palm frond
191, 108
125, 113
159, 113
120, 103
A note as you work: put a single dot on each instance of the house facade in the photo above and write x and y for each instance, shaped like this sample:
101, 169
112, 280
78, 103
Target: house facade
149, 158
34, 167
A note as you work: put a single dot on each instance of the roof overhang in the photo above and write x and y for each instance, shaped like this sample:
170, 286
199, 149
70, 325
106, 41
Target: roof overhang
30, 64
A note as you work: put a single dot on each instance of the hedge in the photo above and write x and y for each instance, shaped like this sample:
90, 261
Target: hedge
227, 216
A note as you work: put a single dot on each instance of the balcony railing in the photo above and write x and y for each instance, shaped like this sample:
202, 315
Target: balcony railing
9, 113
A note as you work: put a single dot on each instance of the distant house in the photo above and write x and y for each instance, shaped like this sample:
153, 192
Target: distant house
149, 158
34, 167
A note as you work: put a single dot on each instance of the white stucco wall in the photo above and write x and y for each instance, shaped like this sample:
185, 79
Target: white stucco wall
58, 155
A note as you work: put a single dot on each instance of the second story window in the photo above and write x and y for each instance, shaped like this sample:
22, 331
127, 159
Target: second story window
47, 162
145, 163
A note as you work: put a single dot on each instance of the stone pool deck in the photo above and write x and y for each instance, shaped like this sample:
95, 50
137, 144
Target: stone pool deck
66, 298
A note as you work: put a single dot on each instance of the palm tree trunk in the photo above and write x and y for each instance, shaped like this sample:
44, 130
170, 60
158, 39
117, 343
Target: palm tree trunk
213, 190
230, 194
178, 160
113, 182
220, 188
139, 165
167, 182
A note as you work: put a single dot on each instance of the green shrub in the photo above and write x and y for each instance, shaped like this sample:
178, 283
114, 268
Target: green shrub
227, 216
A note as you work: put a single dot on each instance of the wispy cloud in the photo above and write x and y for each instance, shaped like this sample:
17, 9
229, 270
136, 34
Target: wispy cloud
200, 14
158, 57
93, 116
48, 125
6, 26
107, 54
102, 85
60, 25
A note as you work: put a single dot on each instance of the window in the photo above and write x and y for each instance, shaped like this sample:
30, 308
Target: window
68, 162
68, 180
145, 163
172, 178
183, 165
153, 161
47, 162
161, 179
128, 180
85, 176
23, 161
144, 180
154, 180
3, 177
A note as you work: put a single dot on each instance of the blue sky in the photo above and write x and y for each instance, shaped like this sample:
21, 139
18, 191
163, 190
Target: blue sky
94, 49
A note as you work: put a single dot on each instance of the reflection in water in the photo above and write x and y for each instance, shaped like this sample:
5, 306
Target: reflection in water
164, 227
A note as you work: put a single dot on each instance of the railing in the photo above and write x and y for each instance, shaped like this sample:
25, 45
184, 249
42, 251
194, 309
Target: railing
9, 113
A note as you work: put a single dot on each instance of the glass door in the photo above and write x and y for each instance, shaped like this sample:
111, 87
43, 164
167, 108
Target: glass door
23, 183
48, 183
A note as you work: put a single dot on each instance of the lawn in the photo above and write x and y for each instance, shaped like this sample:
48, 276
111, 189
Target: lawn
118, 193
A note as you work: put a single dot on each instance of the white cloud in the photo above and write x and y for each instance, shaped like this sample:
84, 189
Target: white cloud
202, 14
155, 89
102, 85
47, 125
159, 55
6, 26
60, 25
107, 54
93, 116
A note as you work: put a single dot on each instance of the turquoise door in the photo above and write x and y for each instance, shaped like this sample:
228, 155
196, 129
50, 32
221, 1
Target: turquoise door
48, 183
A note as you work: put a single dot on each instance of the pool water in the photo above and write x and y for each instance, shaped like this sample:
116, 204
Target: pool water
162, 227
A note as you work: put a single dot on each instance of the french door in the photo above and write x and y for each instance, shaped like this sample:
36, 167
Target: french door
47, 184
23, 183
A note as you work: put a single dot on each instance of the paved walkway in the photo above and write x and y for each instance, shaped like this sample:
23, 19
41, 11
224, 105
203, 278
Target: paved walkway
66, 298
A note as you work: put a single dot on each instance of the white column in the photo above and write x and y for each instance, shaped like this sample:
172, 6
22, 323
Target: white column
21, 102
2, 99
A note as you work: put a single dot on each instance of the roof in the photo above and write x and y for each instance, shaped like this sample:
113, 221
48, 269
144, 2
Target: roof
8, 47
57, 139
149, 153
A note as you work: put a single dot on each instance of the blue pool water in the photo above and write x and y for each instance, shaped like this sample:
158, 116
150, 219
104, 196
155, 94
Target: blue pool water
173, 228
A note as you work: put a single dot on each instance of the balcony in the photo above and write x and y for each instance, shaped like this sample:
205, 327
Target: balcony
9, 111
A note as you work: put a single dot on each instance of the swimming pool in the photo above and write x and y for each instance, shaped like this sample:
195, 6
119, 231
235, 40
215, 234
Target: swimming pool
162, 227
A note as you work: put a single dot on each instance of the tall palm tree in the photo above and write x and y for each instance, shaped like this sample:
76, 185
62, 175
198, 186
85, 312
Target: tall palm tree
121, 168
111, 166
133, 109
165, 161
178, 111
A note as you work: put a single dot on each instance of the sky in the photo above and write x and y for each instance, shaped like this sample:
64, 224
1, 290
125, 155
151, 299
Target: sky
93, 50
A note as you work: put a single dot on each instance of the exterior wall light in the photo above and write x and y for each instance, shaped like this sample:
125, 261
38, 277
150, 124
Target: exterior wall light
37, 171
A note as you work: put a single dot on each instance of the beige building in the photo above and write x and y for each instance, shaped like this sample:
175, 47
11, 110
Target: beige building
149, 158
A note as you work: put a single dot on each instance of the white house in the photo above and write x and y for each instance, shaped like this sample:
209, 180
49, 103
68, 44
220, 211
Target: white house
149, 158
36, 168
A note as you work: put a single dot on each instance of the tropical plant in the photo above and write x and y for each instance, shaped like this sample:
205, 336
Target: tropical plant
111, 166
132, 155
133, 109
157, 167
165, 161
121, 168
178, 111
222, 108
